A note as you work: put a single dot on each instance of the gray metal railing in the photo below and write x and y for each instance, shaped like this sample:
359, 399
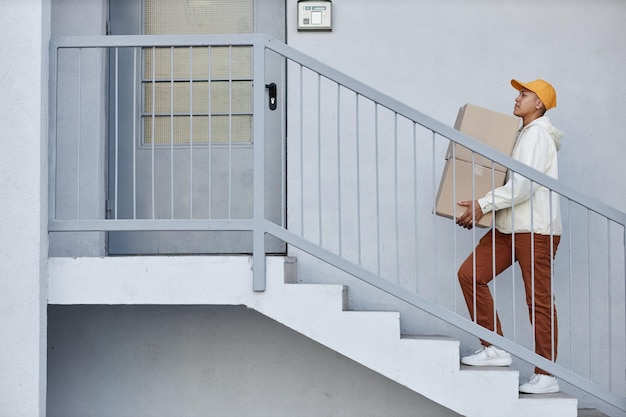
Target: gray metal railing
362, 170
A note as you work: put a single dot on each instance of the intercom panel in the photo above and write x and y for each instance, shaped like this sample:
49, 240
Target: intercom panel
314, 15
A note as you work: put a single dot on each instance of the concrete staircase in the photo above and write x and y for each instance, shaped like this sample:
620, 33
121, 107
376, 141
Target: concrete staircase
427, 365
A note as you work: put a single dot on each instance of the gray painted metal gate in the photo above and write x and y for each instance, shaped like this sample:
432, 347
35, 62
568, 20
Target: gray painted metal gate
181, 140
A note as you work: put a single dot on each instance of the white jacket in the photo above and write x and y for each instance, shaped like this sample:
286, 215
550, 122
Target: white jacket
536, 146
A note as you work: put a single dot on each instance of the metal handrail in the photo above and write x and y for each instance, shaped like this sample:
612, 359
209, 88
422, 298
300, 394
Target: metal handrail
260, 227
442, 313
481, 149
347, 82
446, 131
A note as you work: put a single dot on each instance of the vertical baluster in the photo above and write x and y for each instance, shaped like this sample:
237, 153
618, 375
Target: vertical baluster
134, 134
153, 122
320, 225
338, 138
395, 196
191, 132
117, 131
78, 128
358, 176
230, 129
210, 136
172, 119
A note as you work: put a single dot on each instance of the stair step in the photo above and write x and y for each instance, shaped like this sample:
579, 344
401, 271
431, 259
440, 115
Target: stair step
429, 365
371, 325
590, 412
331, 290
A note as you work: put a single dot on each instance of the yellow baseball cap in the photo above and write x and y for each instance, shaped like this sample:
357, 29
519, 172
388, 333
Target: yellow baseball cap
543, 89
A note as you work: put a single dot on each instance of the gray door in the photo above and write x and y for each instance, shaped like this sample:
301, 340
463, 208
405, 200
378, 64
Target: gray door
181, 143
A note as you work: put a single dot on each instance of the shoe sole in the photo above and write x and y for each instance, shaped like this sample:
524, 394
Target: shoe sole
493, 362
541, 392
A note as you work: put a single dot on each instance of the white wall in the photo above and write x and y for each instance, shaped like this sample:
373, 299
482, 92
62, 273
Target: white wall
24, 30
436, 56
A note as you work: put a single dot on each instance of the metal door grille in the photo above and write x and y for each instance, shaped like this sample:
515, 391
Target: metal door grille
197, 95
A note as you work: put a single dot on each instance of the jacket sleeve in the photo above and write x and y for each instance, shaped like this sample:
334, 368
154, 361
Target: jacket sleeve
534, 149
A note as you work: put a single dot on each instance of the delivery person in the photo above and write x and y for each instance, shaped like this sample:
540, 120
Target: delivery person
527, 230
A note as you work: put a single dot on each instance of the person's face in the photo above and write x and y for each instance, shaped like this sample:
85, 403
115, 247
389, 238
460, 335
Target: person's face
526, 103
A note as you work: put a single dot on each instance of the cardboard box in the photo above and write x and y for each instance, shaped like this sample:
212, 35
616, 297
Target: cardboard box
453, 190
498, 130
495, 129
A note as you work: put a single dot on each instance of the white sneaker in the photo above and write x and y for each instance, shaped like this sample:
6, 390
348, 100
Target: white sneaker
540, 384
488, 356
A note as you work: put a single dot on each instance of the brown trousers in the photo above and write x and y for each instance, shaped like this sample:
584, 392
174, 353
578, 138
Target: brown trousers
540, 301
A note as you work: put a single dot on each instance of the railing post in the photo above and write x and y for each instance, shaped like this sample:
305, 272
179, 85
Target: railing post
52, 129
258, 233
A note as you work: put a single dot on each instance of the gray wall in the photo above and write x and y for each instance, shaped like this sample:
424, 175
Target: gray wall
81, 127
206, 361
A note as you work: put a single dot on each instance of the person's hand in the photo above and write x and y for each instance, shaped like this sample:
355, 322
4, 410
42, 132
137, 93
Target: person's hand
465, 220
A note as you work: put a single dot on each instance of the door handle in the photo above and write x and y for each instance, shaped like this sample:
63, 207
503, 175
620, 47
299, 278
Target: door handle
272, 94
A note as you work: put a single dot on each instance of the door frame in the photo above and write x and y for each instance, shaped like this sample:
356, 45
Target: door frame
118, 242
